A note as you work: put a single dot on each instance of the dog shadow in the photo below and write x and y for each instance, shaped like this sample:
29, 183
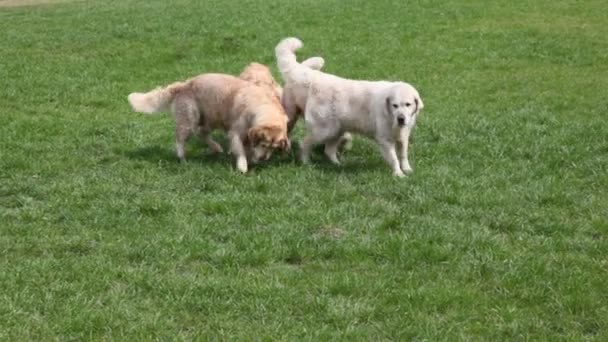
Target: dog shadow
155, 154
200, 155
151, 154
350, 163
347, 165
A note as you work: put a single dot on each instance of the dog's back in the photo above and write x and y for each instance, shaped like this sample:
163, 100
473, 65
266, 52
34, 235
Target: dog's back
260, 75
214, 95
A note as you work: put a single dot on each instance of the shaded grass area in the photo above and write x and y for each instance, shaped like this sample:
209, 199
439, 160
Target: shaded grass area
500, 233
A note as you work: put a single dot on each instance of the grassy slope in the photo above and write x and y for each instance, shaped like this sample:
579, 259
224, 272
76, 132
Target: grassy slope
501, 232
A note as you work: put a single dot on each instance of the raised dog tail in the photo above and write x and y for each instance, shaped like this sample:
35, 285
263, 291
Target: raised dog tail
315, 63
290, 69
157, 100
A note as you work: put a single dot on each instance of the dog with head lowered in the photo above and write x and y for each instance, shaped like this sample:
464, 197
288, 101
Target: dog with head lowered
382, 110
249, 112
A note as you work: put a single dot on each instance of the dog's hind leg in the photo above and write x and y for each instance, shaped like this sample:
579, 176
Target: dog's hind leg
181, 137
213, 145
306, 148
186, 120
205, 135
319, 133
331, 150
328, 136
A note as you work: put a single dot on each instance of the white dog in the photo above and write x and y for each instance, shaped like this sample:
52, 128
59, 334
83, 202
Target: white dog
294, 98
384, 111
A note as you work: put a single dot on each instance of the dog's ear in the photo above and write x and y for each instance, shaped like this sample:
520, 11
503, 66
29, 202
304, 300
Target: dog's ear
388, 104
284, 144
419, 104
251, 136
255, 135
260, 134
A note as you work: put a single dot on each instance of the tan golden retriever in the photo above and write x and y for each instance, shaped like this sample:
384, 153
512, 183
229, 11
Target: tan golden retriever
250, 114
260, 75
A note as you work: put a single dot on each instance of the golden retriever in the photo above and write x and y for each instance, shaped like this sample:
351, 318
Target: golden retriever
249, 113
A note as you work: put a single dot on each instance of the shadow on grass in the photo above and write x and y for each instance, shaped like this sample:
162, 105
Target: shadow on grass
200, 155
349, 164
151, 154
155, 154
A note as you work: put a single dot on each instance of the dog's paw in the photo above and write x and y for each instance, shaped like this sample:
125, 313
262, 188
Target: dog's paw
405, 166
346, 142
333, 158
348, 145
304, 158
399, 174
216, 149
241, 165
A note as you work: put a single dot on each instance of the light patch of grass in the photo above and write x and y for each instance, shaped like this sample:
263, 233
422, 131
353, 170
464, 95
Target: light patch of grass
20, 3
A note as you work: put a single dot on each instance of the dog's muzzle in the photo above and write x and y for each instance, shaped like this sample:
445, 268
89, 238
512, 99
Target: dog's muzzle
401, 120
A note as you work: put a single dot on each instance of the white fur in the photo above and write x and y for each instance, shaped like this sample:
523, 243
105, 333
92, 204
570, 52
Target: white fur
381, 110
316, 63
294, 98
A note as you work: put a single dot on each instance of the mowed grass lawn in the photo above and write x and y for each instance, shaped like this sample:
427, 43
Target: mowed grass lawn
500, 233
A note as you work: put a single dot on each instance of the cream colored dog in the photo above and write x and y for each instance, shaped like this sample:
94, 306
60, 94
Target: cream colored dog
381, 110
295, 96
251, 114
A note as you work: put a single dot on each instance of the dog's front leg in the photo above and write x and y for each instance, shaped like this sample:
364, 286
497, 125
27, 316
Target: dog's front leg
404, 138
390, 155
237, 148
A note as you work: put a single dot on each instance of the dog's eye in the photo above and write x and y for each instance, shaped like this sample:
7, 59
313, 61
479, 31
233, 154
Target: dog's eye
407, 104
395, 105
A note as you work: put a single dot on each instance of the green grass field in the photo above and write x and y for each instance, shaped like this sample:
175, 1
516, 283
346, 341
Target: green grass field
501, 232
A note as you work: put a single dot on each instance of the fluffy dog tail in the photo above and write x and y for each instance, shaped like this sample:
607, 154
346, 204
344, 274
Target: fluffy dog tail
290, 69
315, 63
157, 100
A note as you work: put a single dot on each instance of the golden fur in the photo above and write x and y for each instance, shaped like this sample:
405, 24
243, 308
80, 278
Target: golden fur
249, 111
260, 75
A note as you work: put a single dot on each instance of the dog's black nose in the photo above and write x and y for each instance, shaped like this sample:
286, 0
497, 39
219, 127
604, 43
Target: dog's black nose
401, 120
